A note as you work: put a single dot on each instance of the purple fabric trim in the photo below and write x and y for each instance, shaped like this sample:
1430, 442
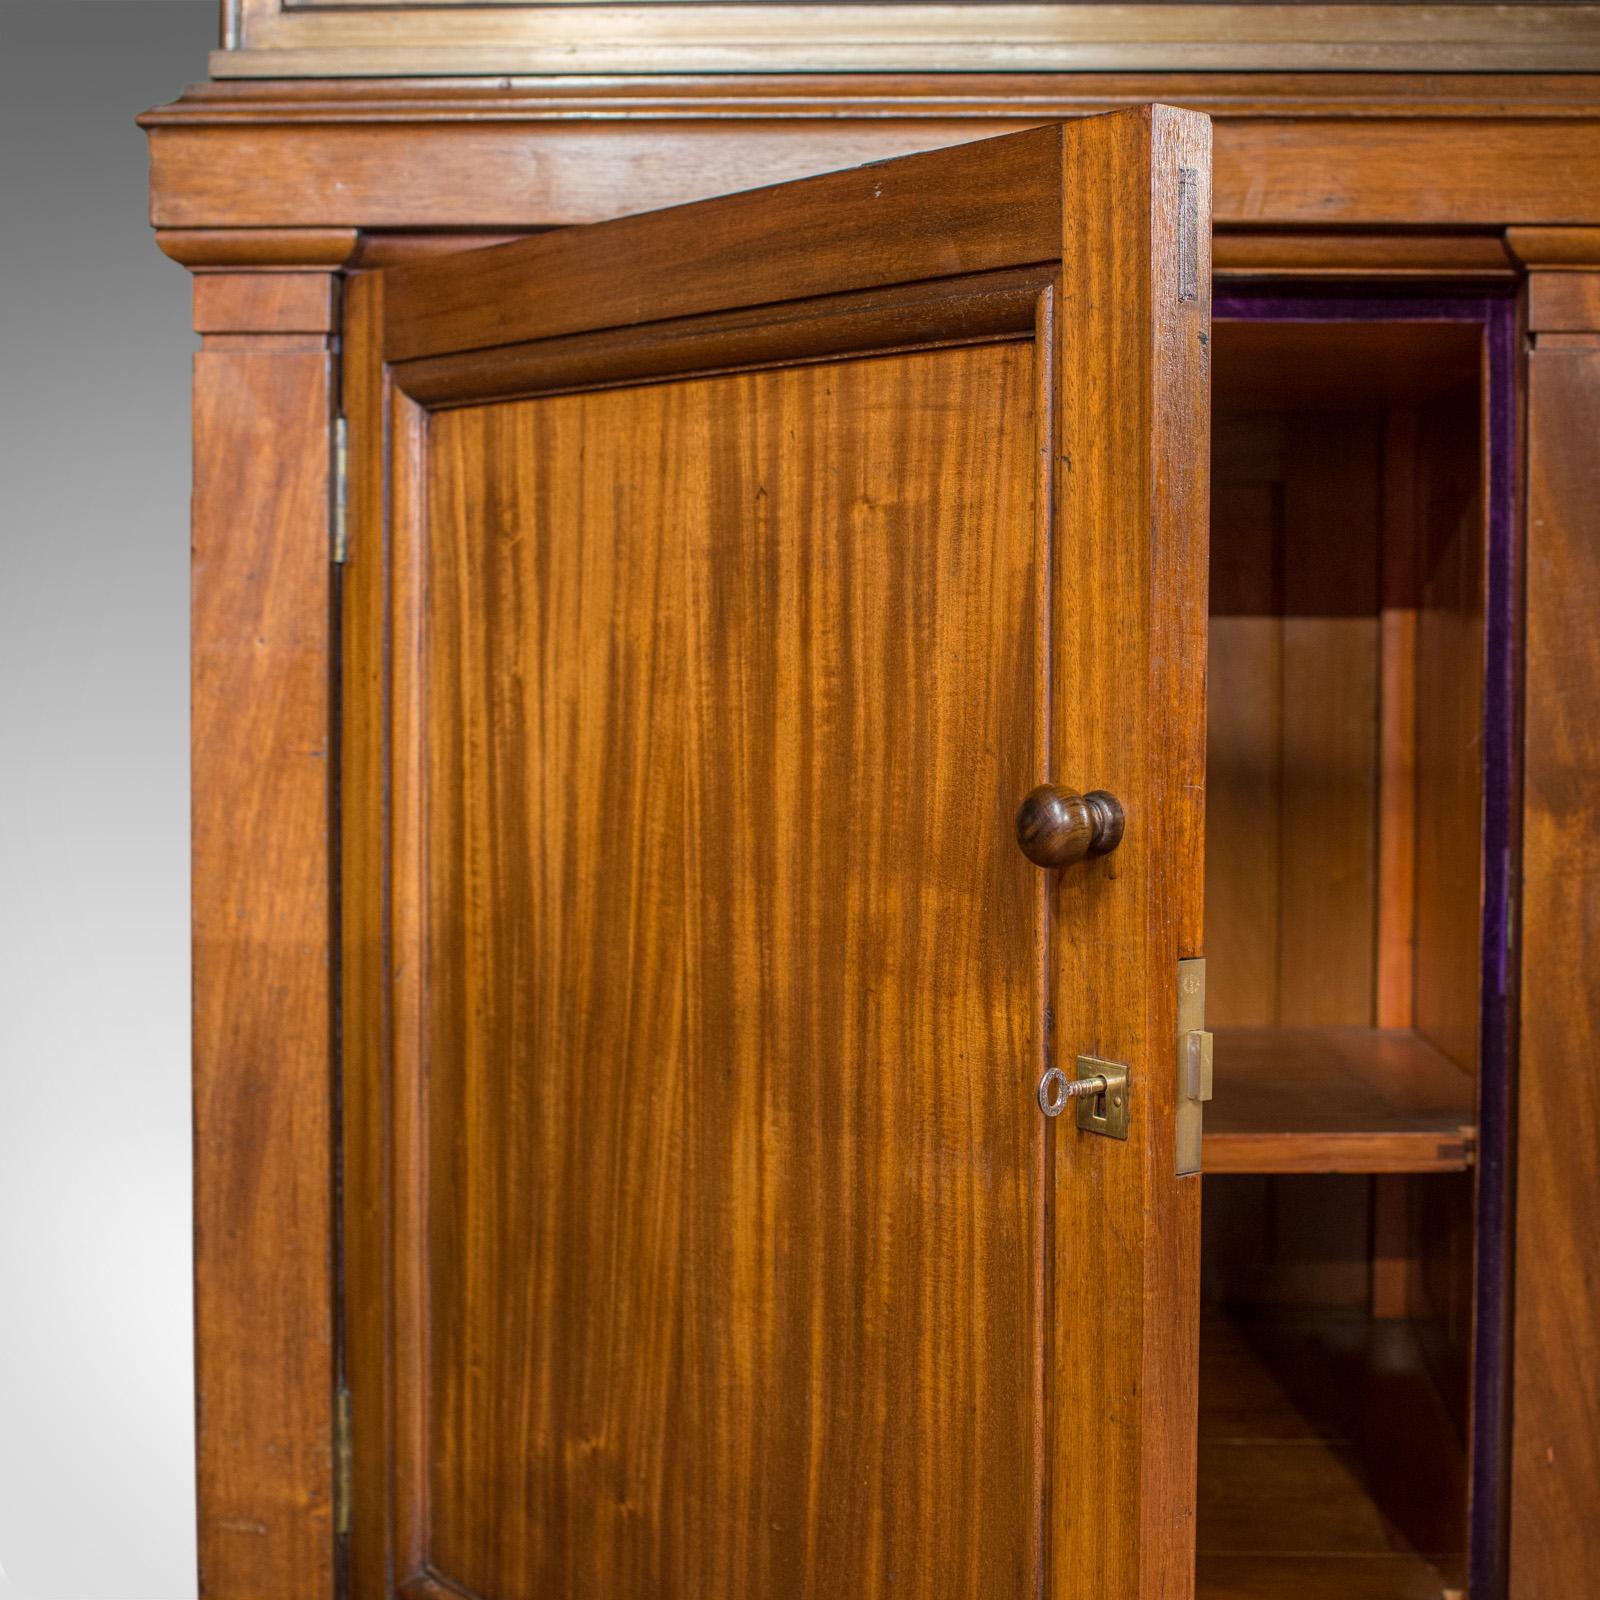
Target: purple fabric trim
1496, 316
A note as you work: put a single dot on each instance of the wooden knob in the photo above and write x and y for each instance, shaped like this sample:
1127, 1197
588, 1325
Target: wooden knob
1056, 826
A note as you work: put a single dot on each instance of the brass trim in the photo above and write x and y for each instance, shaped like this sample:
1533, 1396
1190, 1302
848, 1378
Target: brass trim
1193, 1063
458, 37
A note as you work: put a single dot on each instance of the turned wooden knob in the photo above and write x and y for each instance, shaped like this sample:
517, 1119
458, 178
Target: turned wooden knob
1057, 826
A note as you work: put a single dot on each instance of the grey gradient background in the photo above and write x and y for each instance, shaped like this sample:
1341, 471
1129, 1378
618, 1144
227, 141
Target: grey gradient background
96, 1426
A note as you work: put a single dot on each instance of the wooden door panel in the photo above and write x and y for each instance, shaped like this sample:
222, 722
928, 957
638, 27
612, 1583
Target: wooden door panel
554, 1065
866, 1015
734, 997
702, 1229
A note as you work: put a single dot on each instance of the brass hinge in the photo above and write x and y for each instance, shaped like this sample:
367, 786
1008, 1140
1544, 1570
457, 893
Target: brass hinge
1194, 1062
341, 491
341, 1461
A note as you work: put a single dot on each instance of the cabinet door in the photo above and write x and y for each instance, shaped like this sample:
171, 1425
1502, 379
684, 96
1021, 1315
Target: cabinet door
721, 580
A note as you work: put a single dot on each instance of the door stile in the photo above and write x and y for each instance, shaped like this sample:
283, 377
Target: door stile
366, 956
410, 757
1047, 386
1130, 597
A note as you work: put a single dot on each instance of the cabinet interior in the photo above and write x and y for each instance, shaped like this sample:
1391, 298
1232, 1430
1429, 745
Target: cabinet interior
1344, 874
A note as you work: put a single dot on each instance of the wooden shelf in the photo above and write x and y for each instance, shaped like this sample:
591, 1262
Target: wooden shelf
1285, 1509
1337, 1100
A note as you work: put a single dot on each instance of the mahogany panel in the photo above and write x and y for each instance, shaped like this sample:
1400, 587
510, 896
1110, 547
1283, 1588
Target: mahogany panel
1293, 151
1555, 1536
263, 931
666, 1083
975, 208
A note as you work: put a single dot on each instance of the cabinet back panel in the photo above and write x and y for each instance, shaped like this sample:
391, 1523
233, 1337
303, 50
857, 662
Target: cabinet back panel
1293, 708
1449, 750
1343, 844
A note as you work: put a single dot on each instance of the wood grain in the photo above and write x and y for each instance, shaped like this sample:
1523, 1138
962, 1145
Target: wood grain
1292, 836
1127, 702
1336, 1100
366, 957
970, 209
1329, 779
1449, 725
263, 933
1399, 596
239, 303
1555, 1539
644, 1007
757, 1287
1376, 257
1293, 151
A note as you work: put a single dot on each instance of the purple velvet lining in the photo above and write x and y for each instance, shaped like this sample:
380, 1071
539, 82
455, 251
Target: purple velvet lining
1496, 316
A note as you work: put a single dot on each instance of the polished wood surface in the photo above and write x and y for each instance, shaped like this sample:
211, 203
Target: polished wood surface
972, 209
732, 958
334, 38
1294, 151
263, 932
1127, 703
365, 1013
1555, 1537
713, 1189
1336, 1100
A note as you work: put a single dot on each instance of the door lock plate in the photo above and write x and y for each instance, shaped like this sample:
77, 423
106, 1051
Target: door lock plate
1099, 1093
1106, 1112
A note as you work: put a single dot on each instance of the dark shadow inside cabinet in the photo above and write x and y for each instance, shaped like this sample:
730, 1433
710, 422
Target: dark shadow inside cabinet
1354, 800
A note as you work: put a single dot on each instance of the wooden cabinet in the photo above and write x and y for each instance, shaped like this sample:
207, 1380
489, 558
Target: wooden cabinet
620, 653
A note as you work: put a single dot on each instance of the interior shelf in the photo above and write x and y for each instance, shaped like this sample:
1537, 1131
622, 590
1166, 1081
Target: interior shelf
1336, 1100
1285, 1512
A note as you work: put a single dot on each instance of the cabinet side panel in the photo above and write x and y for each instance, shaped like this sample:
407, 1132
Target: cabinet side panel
262, 1025
1555, 1536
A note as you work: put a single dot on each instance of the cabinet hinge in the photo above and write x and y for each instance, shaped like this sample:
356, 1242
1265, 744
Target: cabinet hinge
341, 1461
341, 491
1194, 1062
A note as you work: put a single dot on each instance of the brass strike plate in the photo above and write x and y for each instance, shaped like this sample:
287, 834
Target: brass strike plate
1194, 1062
1107, 1112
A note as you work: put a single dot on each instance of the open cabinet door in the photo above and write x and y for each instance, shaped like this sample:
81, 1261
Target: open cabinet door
721, 580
